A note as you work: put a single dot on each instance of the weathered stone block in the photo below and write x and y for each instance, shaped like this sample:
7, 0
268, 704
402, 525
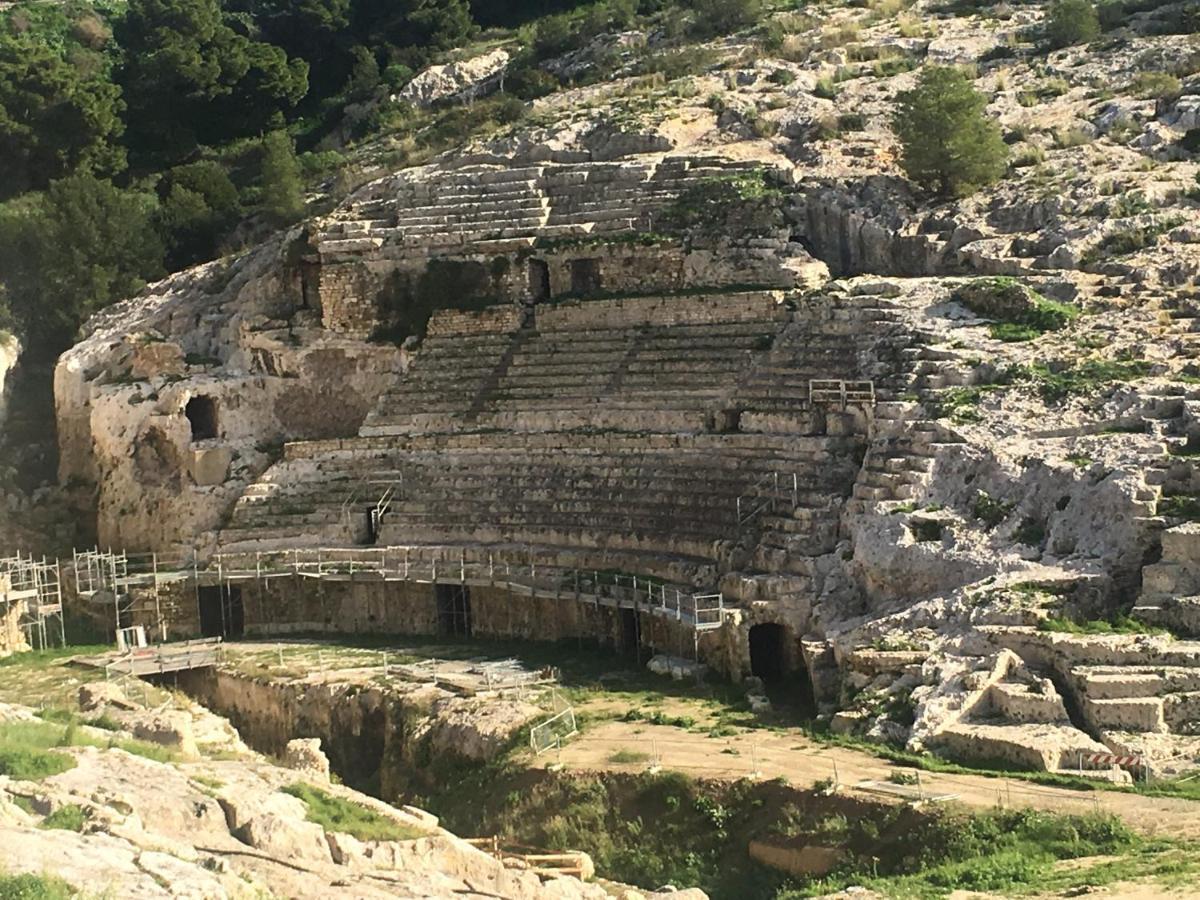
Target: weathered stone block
210, 465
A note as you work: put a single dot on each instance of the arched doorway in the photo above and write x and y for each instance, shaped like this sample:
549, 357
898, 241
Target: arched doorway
775, 658
768, 652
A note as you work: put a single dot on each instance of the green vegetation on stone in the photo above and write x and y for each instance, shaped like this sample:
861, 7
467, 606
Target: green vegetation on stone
1116, 624
69, 817
30, 750
34, 887
746, 202
1021, 313
990, 511
345, 816
1058, 383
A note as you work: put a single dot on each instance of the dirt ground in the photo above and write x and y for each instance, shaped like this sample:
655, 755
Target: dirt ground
788, 753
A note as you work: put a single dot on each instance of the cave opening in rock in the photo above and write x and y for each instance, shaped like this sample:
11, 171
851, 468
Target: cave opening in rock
201, 414
775, 659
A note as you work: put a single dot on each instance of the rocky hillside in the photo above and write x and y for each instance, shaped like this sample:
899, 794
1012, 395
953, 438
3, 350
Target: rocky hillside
1027, 483
170, 803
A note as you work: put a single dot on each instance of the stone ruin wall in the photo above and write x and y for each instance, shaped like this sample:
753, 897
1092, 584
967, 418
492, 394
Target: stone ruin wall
352, 293
12, 636
281, 607
261, 365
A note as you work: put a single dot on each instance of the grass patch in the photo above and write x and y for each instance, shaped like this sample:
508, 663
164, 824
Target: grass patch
34, 887
1043, 315
628, 756
145, 749
26, 751
336, 814
41, 658
70, 817
1116, 624
1057, 384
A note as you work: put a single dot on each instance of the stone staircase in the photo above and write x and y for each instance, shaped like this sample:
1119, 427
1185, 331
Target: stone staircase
900, 457
1171, 493
1140, 698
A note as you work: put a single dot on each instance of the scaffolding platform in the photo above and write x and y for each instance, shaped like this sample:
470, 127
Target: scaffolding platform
36, 586
162, 659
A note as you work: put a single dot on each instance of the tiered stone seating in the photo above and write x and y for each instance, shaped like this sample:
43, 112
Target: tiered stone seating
458, 359
827, 338
432, 207
653, 363
674, 494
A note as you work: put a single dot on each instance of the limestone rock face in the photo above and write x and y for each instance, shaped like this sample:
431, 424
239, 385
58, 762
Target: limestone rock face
10, 352
305, 755
169, 419
463, 80
286, 838
171, 729
477, 731
98, 694
225, 828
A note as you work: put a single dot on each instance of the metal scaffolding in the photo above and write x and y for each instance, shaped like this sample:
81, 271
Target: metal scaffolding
36, 586
132, 583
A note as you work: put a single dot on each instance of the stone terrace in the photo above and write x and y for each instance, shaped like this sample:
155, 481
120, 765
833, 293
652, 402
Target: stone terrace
421, 210
646, 363
670, 494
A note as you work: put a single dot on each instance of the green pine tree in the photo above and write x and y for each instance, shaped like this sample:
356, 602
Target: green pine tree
282, 186
949, 145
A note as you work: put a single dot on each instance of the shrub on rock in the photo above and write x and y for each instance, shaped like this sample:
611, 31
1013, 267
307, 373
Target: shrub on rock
949, 145
1071, 22
714, 17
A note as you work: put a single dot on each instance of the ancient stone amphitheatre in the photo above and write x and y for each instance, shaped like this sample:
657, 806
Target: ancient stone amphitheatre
644, 457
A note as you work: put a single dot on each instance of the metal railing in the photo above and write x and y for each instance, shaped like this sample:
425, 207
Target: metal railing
767, 494
164, 658
523, 575
550, 734
842, 393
